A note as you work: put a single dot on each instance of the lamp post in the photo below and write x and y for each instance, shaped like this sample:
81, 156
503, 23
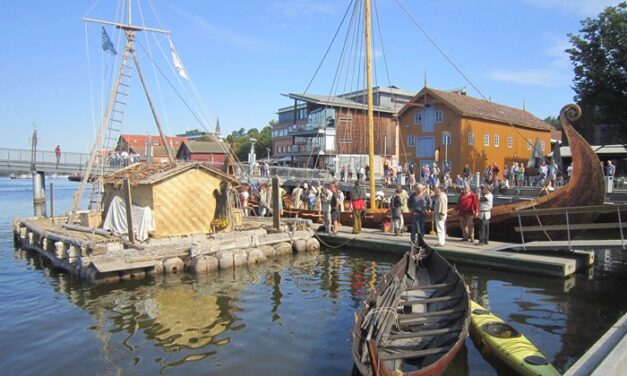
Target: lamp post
268, 149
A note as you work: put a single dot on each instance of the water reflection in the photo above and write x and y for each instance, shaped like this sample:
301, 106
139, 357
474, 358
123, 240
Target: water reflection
296, 313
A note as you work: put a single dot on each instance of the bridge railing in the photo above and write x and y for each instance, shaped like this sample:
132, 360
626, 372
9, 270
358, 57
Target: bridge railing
43, 156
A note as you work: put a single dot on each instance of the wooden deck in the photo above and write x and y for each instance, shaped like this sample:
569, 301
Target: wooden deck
498, 255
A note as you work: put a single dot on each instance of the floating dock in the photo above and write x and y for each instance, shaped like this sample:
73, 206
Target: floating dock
498, 255
607, 357
98, 257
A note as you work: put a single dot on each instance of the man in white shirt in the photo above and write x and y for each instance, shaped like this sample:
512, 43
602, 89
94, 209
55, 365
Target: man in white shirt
485, 206
440, 209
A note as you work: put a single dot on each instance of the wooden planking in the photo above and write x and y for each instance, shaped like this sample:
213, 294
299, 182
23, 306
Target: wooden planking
576, 226
497, 254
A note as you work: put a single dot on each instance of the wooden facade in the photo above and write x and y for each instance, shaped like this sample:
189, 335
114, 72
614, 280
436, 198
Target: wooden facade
466, 130
181, 196
208, 151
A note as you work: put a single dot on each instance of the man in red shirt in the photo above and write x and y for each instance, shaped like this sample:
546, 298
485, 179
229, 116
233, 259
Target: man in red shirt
467, 208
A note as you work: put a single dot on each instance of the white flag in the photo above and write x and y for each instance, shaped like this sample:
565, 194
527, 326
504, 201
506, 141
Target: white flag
177, 62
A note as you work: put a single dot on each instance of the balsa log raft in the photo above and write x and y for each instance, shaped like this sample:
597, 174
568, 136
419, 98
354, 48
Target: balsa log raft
101, 258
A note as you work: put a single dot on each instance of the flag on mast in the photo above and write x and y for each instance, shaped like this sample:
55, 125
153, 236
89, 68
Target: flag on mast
177, 62
107, 45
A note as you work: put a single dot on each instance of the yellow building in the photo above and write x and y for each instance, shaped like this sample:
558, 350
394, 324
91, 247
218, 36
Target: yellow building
464, 130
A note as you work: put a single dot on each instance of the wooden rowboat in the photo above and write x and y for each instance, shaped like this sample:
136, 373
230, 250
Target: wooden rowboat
415, 320
586, 188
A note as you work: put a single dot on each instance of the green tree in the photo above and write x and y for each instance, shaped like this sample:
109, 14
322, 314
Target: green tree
241, 141
554, 121
599, 57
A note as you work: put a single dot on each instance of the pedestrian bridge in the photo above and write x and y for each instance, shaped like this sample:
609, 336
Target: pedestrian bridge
18, 161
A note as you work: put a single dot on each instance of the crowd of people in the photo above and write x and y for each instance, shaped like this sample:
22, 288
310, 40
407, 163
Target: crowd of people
420, 197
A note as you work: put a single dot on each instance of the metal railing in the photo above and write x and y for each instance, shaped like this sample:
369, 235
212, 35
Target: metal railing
43, 156
569, 214
285, 173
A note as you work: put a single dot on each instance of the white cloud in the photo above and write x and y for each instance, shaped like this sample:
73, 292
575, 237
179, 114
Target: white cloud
586, 8
538, 77
556, 50
300, 8
249, 42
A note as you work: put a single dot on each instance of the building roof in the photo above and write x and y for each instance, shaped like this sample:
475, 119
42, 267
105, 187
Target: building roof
138, 143
394, 90
151, 173
482, 109
600, 150
205, 147
332, 101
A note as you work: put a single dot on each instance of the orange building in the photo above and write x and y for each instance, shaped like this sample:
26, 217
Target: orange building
466, 130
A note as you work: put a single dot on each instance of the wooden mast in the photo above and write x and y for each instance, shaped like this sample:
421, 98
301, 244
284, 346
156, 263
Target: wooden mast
368, 27
129, 50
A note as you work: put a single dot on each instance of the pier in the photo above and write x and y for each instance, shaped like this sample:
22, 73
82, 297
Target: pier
498, 255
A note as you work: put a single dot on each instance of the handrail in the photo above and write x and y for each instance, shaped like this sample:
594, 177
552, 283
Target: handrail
526, 212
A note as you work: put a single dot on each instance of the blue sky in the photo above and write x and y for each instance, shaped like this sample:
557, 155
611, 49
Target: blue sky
241, 55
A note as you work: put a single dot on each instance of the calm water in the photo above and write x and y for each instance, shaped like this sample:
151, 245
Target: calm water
288, 317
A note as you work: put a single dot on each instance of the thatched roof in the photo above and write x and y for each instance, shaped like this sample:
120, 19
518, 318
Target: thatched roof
151, 173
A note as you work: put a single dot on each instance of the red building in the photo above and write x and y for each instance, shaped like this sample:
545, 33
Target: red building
209, 151
149, 146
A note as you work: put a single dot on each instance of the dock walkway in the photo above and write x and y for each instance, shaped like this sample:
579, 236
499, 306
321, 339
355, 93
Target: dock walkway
498, 255
607, 357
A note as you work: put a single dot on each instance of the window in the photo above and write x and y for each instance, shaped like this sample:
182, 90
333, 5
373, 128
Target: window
510, 142
439, 116
410, 141
428, 119
542, 145
497, 141
418, 117
425, 147
446, 138
486, 140
471, 138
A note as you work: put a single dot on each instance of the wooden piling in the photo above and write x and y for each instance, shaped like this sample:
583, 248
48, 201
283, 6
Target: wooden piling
276, 210
129, 210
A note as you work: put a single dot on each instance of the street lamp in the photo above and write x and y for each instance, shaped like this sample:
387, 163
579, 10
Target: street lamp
268, 149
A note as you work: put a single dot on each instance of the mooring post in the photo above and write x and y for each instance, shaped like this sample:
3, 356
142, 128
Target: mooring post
276, 210
129, 209
39, 193
52, 201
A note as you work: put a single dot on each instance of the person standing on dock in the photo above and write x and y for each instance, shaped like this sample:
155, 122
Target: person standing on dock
397, 214
57, 153
485, 206
468, 209
358, 202
243, 199
297, 195
326, 197
419, 204
440, 208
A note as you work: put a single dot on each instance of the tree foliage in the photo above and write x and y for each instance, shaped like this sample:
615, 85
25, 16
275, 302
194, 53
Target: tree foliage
599, 57
554, 121
241, 141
